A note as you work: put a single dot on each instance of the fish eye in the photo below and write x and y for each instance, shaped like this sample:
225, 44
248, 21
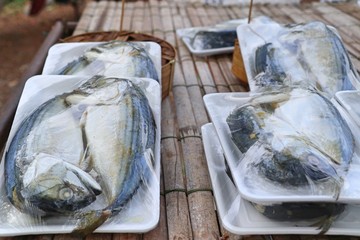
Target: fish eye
313, 160
66, 193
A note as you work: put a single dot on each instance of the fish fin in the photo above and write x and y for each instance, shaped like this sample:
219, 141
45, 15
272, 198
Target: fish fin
86, 159
97, 67
149, 156
89, 221
85, 177
73, 66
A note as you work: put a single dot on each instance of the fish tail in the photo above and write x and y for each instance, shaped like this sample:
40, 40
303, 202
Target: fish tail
89, 221
326, 221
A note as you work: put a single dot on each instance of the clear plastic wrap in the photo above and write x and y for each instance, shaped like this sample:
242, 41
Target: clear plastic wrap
116, 59
310, 54
56, 115
349, 100
241, 217
299, 129
211, 40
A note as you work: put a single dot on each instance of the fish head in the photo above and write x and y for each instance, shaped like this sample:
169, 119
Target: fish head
55, 186
303, 162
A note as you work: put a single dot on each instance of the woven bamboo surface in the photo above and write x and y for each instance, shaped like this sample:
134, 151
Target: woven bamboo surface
188, 209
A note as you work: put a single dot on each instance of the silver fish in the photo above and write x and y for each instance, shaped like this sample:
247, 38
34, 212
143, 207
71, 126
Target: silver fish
121, 142
213, 39
115, 59
309, 54
42, 176
294, 138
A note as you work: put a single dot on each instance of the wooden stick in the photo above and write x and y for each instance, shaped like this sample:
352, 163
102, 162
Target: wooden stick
122, 14
250, 10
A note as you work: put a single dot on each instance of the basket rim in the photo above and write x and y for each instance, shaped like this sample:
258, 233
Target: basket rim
115, 34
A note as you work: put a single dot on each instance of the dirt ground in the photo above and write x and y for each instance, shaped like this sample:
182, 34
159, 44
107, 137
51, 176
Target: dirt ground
20, 37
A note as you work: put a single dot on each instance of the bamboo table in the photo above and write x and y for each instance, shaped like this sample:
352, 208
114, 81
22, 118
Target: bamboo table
188, 209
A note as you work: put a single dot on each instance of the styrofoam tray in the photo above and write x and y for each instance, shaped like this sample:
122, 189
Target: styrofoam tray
61, 54
219, 106
186, 34
134, 218
207, 52
240, 217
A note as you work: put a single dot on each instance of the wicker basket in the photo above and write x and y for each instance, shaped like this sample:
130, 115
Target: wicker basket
238, 68
168, 52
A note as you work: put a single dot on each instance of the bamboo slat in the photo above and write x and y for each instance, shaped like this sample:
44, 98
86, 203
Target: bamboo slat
185, 117
160, 232
205, 77
65, 237
195, 94
203, 17
285, 237
243, 11
183, 53
347, 8
203, 216
197, 175
99, 236
173, 165
340, 19
177, 209
200, 113
128, 17
192, 15
255, 238
325, 8
114, 24
213, 16
278, 15
109, 16
126, 236
147, 26
189, 72
186, 22
156, 19
37, 237
166, 19
225, 66
179, 80
98, 17
218, 76
171, 156
138, 17
230, 14
85, 19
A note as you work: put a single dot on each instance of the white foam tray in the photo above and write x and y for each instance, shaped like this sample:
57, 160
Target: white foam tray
240, 217
61, 54
187, 33
220, 105
135, 218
